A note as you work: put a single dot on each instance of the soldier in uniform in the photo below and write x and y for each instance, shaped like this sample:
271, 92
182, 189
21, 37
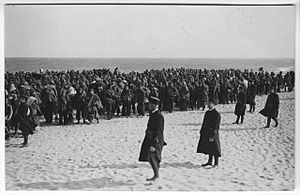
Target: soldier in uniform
240, 106
171, 95
154, 139
79, 102
126, 100
251, 93
140, 98
23, 117
109, 97
209, 142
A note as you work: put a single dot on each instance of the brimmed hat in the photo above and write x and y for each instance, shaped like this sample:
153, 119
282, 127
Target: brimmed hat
154, 100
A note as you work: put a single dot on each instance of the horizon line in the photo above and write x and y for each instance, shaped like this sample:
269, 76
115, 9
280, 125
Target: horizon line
155, 57
257, 4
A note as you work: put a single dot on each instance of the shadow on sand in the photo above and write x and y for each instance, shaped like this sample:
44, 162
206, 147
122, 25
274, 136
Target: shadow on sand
91, 184
143, 165
234, 129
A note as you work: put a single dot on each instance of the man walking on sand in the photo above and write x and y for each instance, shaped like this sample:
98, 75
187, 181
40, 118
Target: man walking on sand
154, 139
271, 108
209, 142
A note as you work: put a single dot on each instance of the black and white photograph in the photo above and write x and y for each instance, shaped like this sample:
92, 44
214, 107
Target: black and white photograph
149, 97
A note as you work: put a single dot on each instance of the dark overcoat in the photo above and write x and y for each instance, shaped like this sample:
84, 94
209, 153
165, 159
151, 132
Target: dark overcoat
154, 137
240, 106
251, 93
210, 129
272, 106
25, 125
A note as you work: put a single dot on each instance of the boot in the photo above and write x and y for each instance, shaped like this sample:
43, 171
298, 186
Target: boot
276, 123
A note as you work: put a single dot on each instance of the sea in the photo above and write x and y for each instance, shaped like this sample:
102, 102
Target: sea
141, 64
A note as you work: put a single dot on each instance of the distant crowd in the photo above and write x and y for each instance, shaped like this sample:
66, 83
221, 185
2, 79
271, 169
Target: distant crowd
55, 95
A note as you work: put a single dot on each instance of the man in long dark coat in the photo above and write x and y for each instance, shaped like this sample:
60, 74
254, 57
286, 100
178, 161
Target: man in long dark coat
140, 98
154, 139
79, 101
109, 96
240, 106
23, 117
251, 93
63, 101
271, 108
209, 142
126, 100
49, 99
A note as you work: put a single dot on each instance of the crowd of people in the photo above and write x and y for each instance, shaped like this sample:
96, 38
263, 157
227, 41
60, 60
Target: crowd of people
55, 95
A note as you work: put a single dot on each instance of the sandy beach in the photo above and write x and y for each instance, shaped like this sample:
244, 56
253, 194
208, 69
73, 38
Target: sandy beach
104, 156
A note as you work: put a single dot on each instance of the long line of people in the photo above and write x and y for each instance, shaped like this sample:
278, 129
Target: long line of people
92, 93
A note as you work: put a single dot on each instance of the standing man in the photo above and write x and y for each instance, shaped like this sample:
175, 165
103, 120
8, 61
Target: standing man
23, 118
271, 108
154, 139
140, 95
126, 101
79, 102
209, 142
109, 96
240, 106
251, 93
171, 95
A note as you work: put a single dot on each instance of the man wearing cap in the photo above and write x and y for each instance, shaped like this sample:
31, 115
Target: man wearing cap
154, 139
209, 142
240, 106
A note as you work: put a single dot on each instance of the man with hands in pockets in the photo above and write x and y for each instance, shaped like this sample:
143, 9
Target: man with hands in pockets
209, 142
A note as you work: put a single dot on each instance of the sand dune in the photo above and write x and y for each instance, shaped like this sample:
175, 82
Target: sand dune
104, 156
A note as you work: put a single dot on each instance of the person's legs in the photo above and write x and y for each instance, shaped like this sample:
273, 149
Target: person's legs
268, 122
171, 105
143, 108
65, 117
155, 167
50, 116
78, 111
25, 137
237, 120
17, 125
276, 122
60, 117
109, 111
242, 119
139, 108
128, 109
216, 160
123, 109
132, 106
210, 158
82, 114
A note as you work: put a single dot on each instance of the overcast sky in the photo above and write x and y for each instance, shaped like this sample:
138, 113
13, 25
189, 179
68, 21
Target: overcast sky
149, 31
